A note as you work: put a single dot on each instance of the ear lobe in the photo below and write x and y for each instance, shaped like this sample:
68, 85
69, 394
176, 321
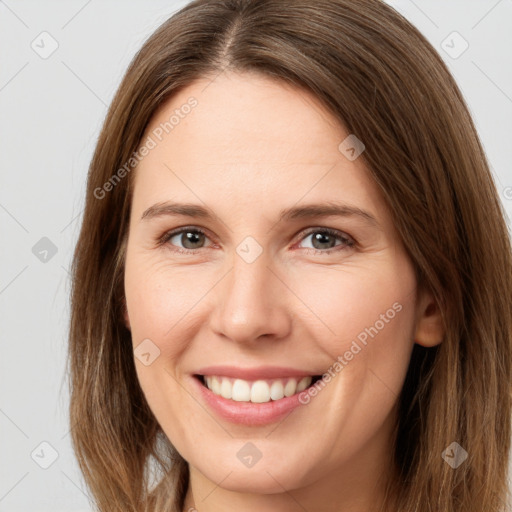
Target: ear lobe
429, 323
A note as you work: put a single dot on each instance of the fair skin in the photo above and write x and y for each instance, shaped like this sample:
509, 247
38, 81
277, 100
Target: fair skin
251, 148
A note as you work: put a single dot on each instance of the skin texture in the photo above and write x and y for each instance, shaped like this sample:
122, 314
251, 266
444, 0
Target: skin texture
251, 147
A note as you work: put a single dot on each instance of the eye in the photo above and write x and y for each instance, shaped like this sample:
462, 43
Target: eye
324, 240
190, 237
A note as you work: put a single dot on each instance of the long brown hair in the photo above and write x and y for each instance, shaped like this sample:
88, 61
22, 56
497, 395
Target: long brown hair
385, 83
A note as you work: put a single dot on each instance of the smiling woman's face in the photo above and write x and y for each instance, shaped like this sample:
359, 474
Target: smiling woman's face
248, 294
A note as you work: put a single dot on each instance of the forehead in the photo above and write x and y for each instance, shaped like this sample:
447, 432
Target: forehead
250, 115
251, 134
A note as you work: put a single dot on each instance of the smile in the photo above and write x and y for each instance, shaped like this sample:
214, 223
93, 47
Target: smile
257, 391
254, 396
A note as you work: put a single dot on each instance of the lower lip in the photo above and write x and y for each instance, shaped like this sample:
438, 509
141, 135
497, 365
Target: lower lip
248, 413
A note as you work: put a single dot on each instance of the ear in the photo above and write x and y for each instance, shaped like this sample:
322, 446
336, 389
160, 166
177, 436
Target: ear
126, 318
429, 324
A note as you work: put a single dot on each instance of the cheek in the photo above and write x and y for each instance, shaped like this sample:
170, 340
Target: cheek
159, 297
367, 331
360, 303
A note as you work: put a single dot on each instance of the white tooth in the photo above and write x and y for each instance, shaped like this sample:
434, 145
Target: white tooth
290, 387
260, 392
304, 383
276, 390
226, 388
216, 385
241, 391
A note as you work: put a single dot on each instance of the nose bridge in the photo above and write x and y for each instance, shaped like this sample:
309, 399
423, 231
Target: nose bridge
248, 281
250, 302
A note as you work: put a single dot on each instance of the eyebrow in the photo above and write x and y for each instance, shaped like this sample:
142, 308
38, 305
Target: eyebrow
327, 209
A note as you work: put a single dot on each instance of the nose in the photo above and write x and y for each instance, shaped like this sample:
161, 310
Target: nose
251, 302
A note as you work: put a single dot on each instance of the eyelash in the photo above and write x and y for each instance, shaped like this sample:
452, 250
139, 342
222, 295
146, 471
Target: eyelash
347, 242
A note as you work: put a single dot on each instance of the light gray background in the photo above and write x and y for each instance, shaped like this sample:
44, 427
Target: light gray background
51, 113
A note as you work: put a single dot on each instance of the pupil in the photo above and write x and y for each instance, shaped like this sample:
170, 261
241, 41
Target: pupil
321, 238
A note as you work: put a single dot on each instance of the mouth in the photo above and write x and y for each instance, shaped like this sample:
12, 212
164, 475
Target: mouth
256, 391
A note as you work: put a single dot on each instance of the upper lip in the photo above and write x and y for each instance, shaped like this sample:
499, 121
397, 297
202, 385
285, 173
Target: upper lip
255, 373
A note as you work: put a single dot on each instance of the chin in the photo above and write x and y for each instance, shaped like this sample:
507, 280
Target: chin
265, 477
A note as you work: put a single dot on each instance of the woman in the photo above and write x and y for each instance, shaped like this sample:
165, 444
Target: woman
292, 285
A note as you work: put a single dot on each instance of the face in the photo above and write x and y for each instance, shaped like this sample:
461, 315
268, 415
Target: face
255, 292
